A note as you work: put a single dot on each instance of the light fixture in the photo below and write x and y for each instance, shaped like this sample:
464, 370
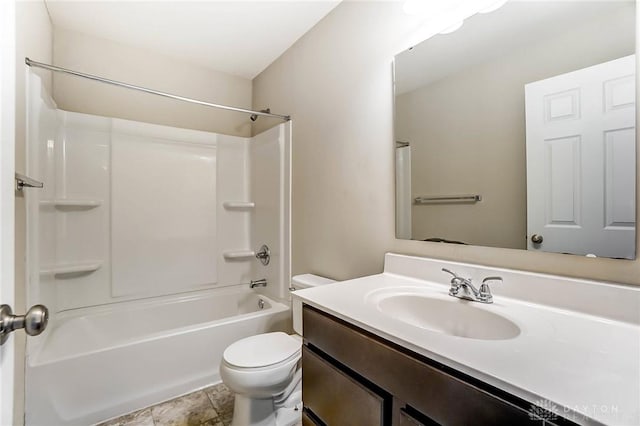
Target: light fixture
446, 16
423, 7
495, 6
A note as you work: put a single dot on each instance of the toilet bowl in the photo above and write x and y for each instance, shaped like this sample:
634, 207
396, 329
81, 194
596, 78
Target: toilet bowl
264, 372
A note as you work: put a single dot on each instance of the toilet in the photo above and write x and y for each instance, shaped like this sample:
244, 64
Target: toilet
264, 371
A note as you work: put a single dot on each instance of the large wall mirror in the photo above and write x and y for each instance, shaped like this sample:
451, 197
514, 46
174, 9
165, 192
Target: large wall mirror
518, 130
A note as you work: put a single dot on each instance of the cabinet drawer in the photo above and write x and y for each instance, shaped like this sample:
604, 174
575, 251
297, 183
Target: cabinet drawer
335, 398
307, 420
407, 419
444, 398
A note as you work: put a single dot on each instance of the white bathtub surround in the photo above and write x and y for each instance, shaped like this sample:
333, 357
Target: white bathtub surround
97, 363
126, 247
146, 207
576, 353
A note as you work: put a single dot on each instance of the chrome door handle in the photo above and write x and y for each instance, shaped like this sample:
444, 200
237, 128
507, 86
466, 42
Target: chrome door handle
34, 321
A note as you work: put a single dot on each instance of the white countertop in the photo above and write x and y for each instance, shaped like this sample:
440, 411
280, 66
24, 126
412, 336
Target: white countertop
584, 367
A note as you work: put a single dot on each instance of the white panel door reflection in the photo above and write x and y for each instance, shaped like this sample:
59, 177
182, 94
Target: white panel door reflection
581, 171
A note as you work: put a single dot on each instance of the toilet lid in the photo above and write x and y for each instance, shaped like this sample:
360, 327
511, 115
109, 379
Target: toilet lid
261, 350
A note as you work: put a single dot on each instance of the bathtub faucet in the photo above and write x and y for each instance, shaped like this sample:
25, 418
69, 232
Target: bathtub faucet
258, 283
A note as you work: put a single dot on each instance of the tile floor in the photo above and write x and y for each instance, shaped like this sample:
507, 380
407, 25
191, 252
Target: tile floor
212, 406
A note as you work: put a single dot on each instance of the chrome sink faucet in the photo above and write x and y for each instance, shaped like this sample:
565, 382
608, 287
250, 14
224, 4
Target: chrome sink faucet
463, 288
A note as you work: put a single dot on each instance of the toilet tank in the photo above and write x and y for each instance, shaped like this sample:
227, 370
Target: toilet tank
300, 282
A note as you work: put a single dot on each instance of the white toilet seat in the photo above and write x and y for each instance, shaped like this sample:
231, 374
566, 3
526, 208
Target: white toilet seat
262, 351
262, 365
272, 367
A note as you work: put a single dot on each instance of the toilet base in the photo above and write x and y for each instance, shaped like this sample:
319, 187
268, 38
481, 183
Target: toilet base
253, 412
289, 416
264, 412
290, 411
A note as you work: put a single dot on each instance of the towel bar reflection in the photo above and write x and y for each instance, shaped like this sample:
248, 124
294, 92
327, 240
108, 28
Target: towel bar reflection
448, 199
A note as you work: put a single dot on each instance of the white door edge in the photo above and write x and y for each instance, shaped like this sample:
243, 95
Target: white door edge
7, 196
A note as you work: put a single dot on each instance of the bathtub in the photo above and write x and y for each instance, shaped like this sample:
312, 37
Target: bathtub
101, 362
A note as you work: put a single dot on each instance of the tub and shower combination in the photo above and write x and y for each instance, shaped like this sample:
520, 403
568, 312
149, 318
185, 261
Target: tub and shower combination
142, 245
98, 363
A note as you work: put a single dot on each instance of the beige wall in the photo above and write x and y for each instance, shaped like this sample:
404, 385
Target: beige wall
33, 38
467, 131
336, 83
117, 61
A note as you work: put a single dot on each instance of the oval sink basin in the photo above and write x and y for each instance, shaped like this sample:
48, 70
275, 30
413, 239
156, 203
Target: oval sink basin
455, 317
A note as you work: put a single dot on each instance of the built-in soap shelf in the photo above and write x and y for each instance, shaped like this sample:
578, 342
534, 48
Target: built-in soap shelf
71, 203
238, 205
239, 254
71, 268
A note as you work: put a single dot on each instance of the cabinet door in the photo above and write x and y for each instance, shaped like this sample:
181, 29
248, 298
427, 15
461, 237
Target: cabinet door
307, 420
443, 397
335, 398
408, 419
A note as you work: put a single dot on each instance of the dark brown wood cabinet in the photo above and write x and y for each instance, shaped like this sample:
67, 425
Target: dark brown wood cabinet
365, 406
408, 419
352, 377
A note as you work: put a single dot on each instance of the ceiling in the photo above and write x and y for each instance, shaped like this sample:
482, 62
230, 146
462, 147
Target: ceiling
236, 37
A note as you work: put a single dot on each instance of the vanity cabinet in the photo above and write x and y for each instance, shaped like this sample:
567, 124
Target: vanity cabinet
352, 377
329, 388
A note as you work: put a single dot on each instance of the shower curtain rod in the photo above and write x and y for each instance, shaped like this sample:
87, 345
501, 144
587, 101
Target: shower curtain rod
31, 63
